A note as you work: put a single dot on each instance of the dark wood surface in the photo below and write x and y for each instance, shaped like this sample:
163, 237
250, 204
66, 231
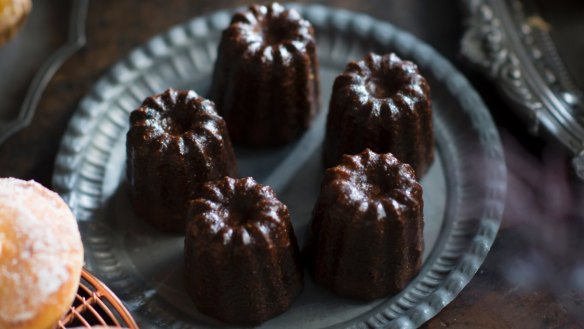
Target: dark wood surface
534, 275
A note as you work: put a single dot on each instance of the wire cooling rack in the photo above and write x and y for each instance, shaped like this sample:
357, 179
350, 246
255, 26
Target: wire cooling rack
96, 305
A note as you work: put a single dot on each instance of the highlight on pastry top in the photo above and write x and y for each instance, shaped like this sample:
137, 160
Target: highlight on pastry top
41, 256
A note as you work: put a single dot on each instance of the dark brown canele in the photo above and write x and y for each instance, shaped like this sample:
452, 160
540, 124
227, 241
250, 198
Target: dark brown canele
381, 103
366, 236
175, 143
265, 82
241, 256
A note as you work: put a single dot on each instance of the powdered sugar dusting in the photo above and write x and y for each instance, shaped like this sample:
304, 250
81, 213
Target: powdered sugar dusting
40, 247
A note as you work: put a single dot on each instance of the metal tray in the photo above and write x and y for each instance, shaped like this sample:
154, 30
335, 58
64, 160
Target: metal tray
463, 191
515, 44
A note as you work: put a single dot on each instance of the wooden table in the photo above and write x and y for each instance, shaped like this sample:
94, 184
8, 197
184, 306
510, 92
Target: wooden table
534, 275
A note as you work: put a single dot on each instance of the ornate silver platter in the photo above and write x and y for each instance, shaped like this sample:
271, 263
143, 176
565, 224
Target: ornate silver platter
463, 192
512, 42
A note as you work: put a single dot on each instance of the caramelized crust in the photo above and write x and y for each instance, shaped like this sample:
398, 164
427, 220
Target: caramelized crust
265, 82
381, 103
366, 236
241, 256
176, 142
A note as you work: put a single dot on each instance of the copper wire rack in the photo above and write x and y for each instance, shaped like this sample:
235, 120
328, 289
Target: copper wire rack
96, 305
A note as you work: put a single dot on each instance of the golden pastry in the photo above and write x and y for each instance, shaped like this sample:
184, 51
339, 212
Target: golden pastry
13, 13
41, 256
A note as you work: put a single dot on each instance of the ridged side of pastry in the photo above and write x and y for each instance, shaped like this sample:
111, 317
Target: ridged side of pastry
176, 142
366, 236
242, 262
265, 81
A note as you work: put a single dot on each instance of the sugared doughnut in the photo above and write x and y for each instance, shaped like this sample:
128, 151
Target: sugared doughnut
41, 256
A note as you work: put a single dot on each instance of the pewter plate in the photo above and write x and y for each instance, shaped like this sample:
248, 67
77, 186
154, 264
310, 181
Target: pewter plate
515, 44
463, 191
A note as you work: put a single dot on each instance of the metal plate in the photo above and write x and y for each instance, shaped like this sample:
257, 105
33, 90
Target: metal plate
463, 191
515, 46
563, 20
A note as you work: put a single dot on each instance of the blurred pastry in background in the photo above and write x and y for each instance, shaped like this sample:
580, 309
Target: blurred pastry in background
13, 14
